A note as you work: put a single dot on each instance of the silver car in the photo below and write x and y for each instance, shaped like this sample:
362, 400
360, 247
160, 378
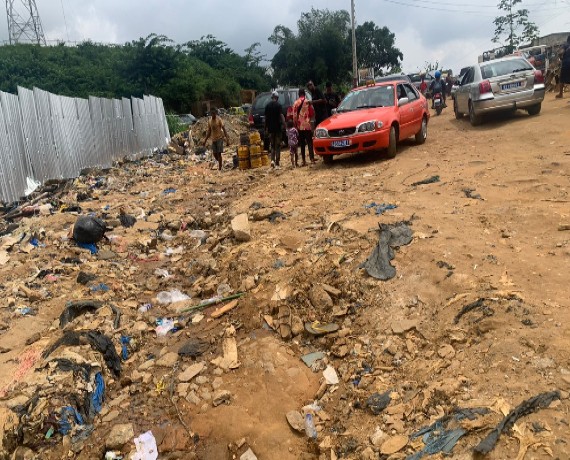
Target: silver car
508, 83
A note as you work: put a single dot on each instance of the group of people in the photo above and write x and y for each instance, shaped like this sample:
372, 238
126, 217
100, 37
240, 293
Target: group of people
437, 85
305, 115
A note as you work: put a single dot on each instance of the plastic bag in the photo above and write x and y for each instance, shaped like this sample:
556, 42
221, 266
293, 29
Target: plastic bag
88, 229
168, 297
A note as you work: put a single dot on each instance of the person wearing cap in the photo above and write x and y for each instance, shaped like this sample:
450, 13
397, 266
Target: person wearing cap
274, 124
332, 98
217, 130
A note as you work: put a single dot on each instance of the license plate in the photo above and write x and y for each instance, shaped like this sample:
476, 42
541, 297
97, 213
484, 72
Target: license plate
343, 143
511, 85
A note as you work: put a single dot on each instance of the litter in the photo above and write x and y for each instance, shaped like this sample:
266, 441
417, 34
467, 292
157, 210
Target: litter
318, 328
126, 220
91, 246
75, 309
380, 208
65, 424
311, 358
161, 272
429, 180
125, 340
193, 348
97, 397
164, 326
478, 304
378, 402
211, 301
89, 229
23, 311
146, 447
168, 297
378, 263
330, 375
540, 401
469, 194
168, 190
101, 287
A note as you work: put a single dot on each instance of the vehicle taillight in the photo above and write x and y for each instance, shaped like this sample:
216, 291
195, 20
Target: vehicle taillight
485, 87
538, 77
250, 119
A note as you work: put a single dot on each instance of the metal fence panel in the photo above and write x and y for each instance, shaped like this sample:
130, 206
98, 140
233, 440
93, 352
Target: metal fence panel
45, 136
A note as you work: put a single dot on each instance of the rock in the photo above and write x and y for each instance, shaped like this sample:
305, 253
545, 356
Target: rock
248, 455
217, 383
105, 254
191, 371
23, 453
19, 400
182, 389
297, 326
111, 416
330, 375
221, 397
320, 298
377, 437
393, 445
368, 454
446, 352
172, 438
331, 290
248, 283
193, 398
400, 327
33, 339
296, 420
120, 435
201, 380
261, 214
240, 228
168, 360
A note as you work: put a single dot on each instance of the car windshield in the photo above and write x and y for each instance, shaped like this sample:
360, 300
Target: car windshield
498, 69
377, 96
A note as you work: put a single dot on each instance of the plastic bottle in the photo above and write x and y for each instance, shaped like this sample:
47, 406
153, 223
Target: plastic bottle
310, 429
144, 308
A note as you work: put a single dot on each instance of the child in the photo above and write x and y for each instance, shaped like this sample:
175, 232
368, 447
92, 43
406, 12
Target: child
293, 139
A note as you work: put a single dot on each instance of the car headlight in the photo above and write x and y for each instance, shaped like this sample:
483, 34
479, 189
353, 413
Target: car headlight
368, 126
321, 133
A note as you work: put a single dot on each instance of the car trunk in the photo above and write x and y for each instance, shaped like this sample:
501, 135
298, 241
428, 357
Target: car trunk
509, 77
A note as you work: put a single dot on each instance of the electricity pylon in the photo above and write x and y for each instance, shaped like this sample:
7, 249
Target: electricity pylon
24, 23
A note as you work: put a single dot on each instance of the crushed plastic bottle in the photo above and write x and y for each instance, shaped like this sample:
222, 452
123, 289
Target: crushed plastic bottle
145, 307
310, 429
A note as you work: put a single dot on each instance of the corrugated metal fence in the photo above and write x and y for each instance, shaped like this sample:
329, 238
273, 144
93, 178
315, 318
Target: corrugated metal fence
45, 136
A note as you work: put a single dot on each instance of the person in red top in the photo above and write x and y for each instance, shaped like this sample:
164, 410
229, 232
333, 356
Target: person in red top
303, 113
423, 86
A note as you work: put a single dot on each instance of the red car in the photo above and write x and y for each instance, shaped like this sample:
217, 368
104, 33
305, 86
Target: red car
372, 118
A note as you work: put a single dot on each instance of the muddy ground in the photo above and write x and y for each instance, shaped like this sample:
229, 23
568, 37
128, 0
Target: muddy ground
494, 227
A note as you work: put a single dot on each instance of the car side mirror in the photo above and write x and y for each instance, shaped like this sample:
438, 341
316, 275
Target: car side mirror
402, 101
333, 111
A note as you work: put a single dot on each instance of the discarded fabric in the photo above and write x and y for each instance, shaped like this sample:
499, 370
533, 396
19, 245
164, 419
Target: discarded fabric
125, 340
391, 235
380, 208
169, 190
97, 397
90, 246
429, 180
89, 229
78, 308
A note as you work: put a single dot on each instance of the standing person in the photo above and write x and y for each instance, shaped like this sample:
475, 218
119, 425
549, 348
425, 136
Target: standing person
332, 98
564, 67
423, 85
448, 84
293, 141
303, 112
319, 102
274, 123
217, 130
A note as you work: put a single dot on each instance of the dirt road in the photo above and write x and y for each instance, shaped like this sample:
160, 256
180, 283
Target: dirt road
493, 229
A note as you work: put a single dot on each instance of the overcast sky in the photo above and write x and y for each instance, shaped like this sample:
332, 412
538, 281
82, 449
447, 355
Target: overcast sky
453, 32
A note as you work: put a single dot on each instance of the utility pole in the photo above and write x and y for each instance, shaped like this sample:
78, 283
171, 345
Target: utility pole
354, 63
24, 23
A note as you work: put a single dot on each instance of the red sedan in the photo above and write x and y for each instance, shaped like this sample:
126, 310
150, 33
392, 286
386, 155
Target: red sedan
372, 118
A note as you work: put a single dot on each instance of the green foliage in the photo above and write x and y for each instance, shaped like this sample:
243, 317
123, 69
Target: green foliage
174, 124
514, 27
322, 49
180, 74
432, 66
376, 49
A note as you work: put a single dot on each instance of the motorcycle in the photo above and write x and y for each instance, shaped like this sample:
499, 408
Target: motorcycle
437, 103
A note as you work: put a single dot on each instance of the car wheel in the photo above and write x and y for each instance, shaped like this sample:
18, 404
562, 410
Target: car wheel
327, 159
458, 114
421, 135
473, 117
391, 150
534, 110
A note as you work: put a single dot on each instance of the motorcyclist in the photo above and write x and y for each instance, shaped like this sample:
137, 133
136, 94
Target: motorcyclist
437, 86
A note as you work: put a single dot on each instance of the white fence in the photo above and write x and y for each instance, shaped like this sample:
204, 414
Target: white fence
45, 136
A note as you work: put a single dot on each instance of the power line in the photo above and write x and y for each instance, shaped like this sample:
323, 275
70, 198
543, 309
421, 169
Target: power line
456, 10
446, 10
474, 4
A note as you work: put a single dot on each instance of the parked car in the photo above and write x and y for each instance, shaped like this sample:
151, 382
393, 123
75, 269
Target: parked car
287, 98
504, 84
374, 117
416, 79
236, 111
393, 77
187, 119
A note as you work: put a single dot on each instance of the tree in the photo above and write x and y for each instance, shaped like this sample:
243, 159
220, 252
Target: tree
432, 66
376, 49
514, 26
320, 51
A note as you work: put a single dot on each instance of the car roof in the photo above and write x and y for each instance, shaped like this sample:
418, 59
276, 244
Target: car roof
392, 78
501, 59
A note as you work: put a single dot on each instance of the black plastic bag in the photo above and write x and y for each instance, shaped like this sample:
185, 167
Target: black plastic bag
88, 230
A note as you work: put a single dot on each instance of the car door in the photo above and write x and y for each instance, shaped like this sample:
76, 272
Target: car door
417, 108
464, 91
406, 112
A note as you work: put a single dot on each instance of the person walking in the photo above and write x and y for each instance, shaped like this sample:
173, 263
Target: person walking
217, 130
303, 112
293, 141
332, 99
274, 124
564, 67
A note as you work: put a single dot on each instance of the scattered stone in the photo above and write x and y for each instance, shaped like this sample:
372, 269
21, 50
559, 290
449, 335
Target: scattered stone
330, 375
191, 371
105, 254
248, 455
193, 398
221, 397
378, 402
320, 298
394, 444
378, 437
368, 454
112, 415
446, 352
296, 421
120, 435
240, 228
403, 326
33, 339
168, 360
331, 290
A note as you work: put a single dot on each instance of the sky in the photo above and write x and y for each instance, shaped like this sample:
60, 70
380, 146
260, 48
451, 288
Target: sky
451, 32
